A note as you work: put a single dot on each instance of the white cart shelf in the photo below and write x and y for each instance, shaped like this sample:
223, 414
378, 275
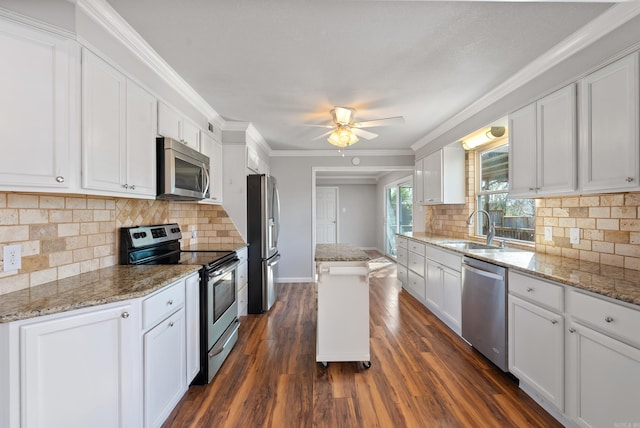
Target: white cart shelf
343, 306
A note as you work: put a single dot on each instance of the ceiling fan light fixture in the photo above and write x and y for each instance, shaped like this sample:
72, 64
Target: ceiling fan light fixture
342, 115
342, 137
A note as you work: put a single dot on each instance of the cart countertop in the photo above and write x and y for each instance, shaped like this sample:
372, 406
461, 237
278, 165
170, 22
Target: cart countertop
340, 253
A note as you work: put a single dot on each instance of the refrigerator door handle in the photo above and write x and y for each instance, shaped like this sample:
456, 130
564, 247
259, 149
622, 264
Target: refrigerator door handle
274, 261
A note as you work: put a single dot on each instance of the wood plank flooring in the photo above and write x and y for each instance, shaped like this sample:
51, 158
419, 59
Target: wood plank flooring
422, 374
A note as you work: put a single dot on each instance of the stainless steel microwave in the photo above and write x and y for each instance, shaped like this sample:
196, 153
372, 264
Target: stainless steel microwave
183, 173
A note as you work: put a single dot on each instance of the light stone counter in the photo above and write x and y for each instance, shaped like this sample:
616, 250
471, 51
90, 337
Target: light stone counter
340, 253
108, 285
611, 281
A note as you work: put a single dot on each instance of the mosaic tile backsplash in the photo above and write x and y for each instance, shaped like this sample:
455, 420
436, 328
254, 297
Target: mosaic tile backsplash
62, 236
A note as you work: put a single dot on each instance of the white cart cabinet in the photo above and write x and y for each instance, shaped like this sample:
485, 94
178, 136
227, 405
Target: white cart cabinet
343, 312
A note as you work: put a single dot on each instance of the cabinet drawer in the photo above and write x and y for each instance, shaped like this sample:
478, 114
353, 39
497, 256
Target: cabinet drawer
159, 306
416, 263
416, 247
402, 274
606, 316
416, 286
401, 242
450, 260
403, 255
536, 290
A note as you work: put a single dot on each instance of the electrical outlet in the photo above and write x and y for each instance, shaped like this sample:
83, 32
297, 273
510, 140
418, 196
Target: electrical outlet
548, 233
194, 234
574, 235
12, 257
439, 224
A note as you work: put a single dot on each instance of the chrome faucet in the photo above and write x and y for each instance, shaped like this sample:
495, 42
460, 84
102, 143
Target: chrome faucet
492, 227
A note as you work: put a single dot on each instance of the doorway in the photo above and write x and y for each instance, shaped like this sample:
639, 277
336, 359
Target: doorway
398, 212
326, 215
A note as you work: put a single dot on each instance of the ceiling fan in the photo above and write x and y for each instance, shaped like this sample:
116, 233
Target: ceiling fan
345, 131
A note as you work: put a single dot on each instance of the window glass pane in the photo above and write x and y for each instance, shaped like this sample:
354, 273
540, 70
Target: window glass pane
494, 169
406, 209
513, 218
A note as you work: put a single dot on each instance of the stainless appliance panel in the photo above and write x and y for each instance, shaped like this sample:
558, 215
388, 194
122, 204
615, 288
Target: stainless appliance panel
270, 269
484, 309
183, 173
222, 307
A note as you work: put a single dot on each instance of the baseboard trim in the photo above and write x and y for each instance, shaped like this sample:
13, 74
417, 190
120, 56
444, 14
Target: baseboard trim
295, 279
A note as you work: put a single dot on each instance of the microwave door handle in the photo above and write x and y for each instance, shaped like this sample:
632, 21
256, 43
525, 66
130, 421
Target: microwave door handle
206, 174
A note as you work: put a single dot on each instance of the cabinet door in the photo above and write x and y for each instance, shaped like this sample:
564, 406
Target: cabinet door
169, 122
164, 368
190, 134
416, 286
418, 183
104, 153
432, 178
35, 113
192, 315
213, 149
522, 152
603, 380
536, 349
557, 156
434, 286
78, 371
451, 307
609, 149
141, 127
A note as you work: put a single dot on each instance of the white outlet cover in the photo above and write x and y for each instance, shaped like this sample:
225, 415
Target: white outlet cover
548, 233
12, 257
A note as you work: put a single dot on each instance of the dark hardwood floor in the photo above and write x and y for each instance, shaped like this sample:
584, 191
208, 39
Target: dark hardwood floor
422, 374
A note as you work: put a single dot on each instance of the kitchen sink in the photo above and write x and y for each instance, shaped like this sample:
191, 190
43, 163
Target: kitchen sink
476, 247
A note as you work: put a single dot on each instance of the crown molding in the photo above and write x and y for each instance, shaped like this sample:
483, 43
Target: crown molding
251, 132
335, 153
235, 125
35, 23
611, 19
104, 15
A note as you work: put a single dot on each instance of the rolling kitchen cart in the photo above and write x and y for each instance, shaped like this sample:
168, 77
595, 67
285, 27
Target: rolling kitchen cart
343, 304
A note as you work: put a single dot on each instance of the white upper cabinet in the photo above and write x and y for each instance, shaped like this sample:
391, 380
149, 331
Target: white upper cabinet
443, 176
212, 148
38, 109
418, 188
543, 146
174, 124
118, 132
609, 116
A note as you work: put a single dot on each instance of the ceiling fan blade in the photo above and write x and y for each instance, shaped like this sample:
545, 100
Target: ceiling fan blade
313, 125
322, 135
364, 134
396, 120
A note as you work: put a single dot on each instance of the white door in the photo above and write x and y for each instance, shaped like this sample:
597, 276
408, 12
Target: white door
326, 215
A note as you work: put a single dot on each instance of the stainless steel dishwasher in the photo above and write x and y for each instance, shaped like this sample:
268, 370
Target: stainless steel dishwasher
484, 309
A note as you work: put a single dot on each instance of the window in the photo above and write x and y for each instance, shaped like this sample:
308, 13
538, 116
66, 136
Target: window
398, 213
514, 218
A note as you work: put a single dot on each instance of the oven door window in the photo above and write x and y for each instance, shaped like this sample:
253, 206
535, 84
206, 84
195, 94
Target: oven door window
224, 289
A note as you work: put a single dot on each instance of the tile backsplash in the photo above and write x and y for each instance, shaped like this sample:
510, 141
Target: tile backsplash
61, 236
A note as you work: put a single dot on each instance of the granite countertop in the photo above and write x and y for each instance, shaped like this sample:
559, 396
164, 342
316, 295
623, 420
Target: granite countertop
611, 281
108, 285
340, 253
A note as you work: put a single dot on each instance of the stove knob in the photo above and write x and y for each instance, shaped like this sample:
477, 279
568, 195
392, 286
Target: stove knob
143, 234
136, 235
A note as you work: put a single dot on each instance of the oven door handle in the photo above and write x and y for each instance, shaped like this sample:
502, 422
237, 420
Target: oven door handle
225, 269
226, 337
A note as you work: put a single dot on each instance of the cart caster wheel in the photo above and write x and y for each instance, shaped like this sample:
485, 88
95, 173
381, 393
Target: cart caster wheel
324, 364
366, 364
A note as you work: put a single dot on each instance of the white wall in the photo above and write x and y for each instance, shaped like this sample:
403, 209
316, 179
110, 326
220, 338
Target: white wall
294, 175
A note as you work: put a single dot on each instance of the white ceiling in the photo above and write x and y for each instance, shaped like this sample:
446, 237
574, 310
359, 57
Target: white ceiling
283, 63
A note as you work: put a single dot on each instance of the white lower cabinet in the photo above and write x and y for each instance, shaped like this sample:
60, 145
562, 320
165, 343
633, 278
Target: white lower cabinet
164, 368
416, 286
536, 349
77, 370
444, 286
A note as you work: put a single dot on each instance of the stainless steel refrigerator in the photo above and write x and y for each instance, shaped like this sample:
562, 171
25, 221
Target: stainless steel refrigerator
263, 226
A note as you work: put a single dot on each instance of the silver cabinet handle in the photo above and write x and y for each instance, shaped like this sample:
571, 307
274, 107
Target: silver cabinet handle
608, 319
171, 324
554, 321
629, 179
126, 186
572, 330
170, 302
125, 315
529, 290
60, 179
133, 187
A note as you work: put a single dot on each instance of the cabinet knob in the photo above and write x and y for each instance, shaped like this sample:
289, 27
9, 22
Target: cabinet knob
125, 315
608, 319
171, 324
126, 186
629, 179
532, 188
572, 330
60, 179
529, 290
133, 187
554, 321
170, 302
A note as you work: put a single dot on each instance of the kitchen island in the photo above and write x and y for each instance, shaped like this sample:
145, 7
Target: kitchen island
343, 304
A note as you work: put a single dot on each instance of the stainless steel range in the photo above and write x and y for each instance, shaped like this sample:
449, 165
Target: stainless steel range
160, 244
